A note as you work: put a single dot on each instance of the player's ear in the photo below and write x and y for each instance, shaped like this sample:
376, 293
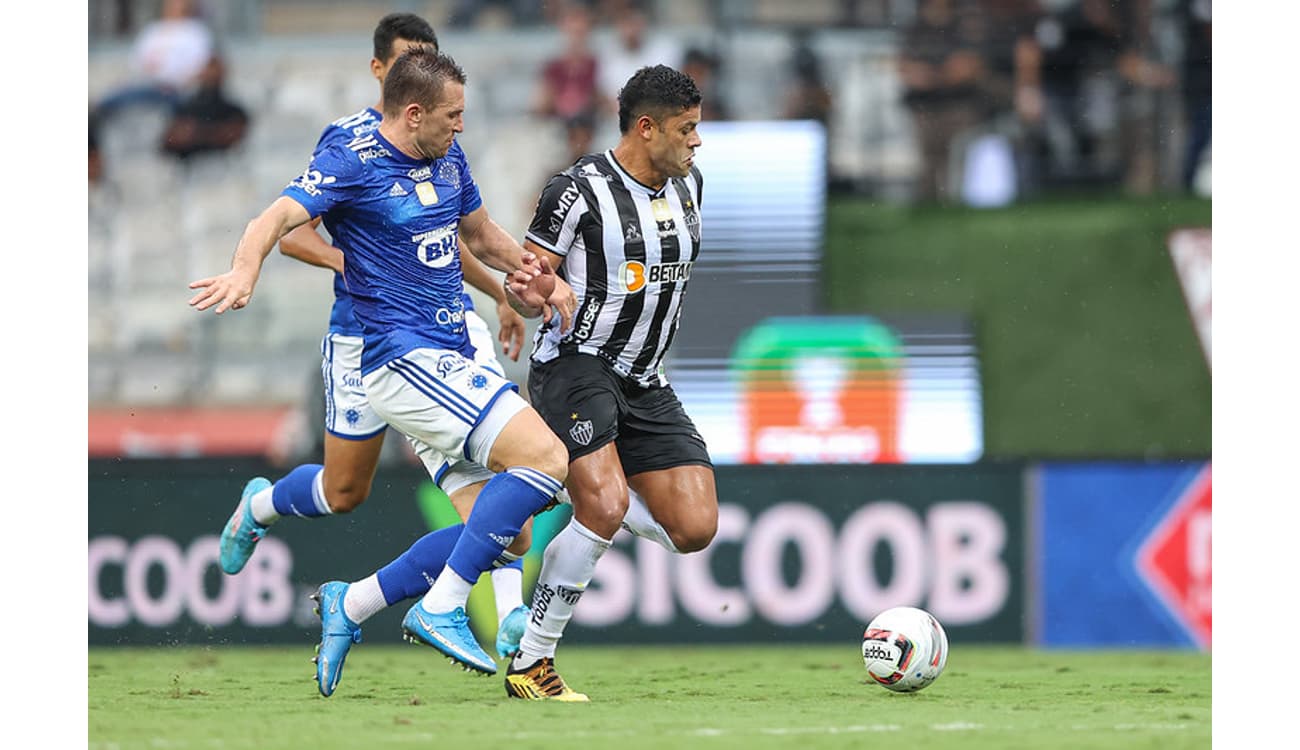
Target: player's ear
645, 126
377, 69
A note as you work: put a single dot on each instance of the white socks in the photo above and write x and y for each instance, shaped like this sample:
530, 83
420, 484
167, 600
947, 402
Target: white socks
448, 592
567, 567
364, 599
263, 508
640, 522
507, 585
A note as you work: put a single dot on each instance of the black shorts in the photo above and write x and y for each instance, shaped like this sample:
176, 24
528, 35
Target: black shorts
588, 405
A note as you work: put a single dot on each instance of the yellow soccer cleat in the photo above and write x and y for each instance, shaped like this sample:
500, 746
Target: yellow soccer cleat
540, 682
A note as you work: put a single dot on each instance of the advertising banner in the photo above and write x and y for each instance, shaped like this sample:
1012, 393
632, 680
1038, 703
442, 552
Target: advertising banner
803, 553
1123, 554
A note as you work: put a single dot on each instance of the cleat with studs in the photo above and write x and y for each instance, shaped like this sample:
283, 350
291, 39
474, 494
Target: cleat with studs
539, 681
242, 532
449, 633
337, 634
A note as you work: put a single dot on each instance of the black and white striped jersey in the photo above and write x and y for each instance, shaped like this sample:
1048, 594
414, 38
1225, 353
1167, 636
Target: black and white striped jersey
628, 252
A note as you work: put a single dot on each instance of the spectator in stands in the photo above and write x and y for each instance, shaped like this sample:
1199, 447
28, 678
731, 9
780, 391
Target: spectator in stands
1093, 59
166, 60
808, 97
702, 67
943, 71
1011, 91
95, 156
1195, 81
208, 120
567, 87
631, 49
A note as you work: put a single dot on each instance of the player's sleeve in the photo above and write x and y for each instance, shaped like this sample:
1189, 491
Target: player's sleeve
555, 222
331, 179
328, 137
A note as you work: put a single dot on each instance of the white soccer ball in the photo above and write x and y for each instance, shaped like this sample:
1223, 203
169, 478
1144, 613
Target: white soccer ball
904, 649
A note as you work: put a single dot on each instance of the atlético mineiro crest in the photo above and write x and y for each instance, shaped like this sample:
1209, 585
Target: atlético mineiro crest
582, 432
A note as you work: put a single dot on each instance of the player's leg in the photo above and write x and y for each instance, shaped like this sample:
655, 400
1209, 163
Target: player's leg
459, 408
668, 467
354, 436
582, 402
507, 578
343, 607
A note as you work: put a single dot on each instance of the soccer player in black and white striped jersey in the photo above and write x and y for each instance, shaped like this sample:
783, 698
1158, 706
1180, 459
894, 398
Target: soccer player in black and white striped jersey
622, 227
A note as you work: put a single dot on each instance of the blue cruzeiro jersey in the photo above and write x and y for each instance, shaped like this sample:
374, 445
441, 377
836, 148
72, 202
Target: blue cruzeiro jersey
395, 218
341, 132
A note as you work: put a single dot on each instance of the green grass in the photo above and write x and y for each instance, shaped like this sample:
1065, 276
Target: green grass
715, 697
1086, 344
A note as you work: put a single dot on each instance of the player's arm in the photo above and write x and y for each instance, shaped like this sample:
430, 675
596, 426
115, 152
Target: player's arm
304, 243
477, 275
234, 288
536, 281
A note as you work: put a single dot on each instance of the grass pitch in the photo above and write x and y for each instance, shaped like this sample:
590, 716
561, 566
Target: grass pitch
402, 696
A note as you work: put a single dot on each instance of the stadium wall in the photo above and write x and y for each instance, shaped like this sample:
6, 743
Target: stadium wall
1000, 552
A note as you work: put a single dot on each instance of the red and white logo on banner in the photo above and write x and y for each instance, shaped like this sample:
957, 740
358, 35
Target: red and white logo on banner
1190, 250
1175, 559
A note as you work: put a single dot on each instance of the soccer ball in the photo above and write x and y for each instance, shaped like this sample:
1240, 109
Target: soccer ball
904, 649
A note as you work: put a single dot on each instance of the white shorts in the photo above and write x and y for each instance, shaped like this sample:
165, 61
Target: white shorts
347, 410
444, 403
485, 344
348, 413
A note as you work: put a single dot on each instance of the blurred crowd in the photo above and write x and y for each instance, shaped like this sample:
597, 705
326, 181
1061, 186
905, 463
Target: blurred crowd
1005, 98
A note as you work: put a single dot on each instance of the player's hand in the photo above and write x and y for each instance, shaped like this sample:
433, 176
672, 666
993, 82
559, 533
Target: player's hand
565, 302
534, 284
231, 290
511, 333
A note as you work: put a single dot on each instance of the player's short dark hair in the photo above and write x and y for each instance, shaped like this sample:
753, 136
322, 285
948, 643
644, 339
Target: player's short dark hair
407, 26
418, 75
658, 91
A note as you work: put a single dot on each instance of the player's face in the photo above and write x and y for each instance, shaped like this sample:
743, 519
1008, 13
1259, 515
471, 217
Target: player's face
440, 123
672, 150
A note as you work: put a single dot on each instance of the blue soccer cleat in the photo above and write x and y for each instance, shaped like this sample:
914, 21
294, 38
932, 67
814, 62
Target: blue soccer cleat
511, 630
337, 634
449, 633
242, 532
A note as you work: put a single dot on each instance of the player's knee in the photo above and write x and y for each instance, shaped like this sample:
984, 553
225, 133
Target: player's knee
600, 508
695, 534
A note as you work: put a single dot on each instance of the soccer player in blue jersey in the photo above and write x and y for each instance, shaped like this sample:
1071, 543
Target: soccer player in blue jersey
394, 201
354, 433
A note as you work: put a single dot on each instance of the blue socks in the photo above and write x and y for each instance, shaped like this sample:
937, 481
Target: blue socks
504, 503
415, 570
299, 493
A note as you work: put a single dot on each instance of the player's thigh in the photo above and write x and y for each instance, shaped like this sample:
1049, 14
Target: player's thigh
445, 401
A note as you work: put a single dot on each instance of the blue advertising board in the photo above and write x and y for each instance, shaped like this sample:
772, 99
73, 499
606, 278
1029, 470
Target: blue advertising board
1122, 554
